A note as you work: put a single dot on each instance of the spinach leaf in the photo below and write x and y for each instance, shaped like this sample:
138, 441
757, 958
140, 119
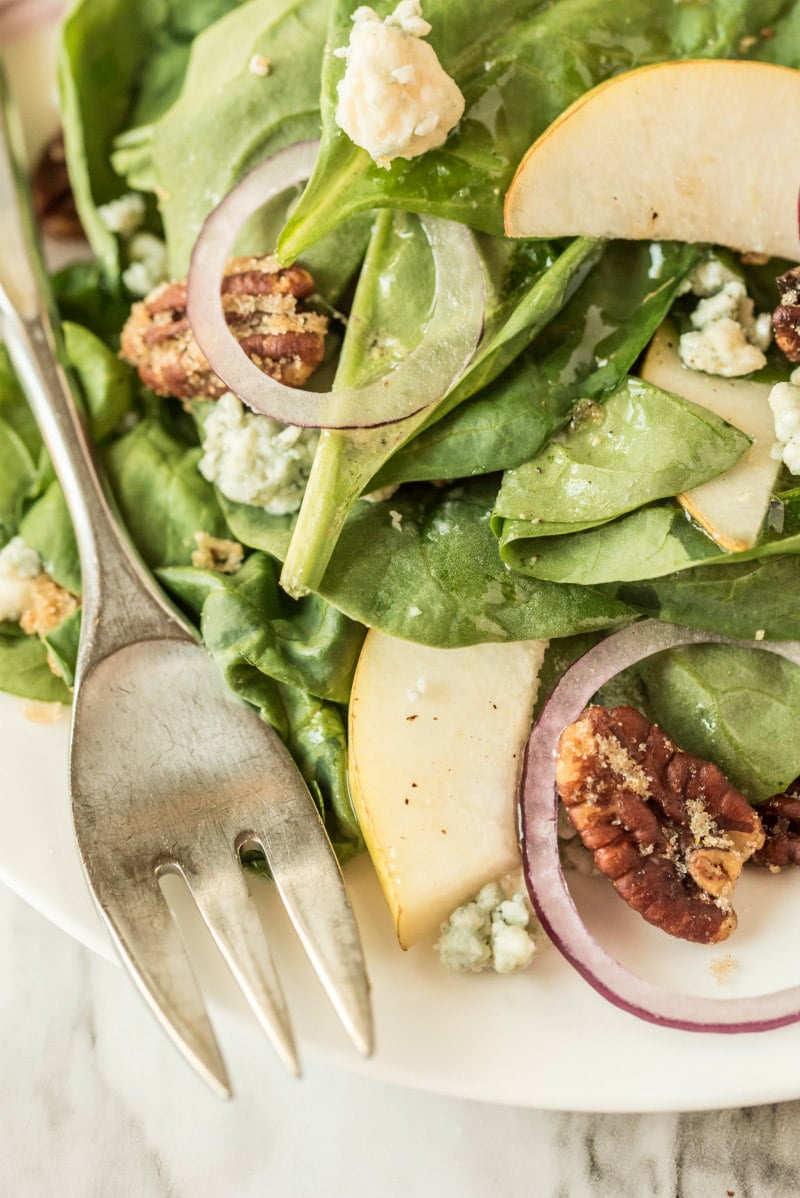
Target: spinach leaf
306, 644
424, 566
524, 292
737, 707
642, 444
47, 528
743, 599
121, 64
14, 410
107, 384
86, 297
228, 117
585, 350
17, 479
24, 670
163, 498
648, 543
62, 645
519, 65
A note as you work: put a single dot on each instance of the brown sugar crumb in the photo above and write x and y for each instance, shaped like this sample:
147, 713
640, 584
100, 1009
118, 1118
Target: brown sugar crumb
49, 605
217, 553
42, 713
722, 968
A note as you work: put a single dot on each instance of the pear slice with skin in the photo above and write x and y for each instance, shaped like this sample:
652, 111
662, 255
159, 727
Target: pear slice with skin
436, 747
704, 151
732, 507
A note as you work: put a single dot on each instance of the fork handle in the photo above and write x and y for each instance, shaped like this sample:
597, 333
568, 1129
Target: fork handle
120, 601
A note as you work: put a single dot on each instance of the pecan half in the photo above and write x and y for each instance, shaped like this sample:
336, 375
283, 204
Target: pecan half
53, 201
780, 816
666, 827
786, 317
260, 301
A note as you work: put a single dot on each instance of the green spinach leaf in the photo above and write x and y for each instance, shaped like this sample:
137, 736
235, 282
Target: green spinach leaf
743, 599
163, 498
736, 707
642, 444
585, 350
227, 117
121, 65
47, 528
24, 670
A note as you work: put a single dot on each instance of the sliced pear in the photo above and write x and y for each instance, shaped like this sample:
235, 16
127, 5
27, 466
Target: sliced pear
733, 506
685, 151
436, 748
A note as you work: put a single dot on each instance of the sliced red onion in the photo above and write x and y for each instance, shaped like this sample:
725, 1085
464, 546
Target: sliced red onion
546, 883
18, 17
421, 378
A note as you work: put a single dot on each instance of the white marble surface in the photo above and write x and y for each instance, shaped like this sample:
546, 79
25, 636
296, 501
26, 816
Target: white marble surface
95, 1103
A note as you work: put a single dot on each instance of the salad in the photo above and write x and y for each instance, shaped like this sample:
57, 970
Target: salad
535, 474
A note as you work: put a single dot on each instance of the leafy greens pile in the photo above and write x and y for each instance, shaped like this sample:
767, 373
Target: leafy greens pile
158, 97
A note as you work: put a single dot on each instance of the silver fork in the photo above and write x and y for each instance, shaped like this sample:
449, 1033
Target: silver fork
169, 772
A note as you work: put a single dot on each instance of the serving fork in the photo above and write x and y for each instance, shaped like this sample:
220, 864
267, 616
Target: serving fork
169, 772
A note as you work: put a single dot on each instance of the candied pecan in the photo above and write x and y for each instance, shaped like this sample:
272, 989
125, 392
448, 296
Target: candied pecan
786, 317
53, 201
260, 302
780, 816
666, 827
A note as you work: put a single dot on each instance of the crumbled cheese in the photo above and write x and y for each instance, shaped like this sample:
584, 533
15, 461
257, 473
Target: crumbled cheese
729, 339
259, 65
784, 399
19, 567
148, 264
254, 459
721, 348
124, 215
395, 100
709, 277
494, 930
397, 520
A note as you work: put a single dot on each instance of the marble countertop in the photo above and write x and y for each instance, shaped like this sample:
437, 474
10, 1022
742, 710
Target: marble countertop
94, 1102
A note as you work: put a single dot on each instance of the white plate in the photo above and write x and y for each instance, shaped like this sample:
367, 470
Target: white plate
542, 1038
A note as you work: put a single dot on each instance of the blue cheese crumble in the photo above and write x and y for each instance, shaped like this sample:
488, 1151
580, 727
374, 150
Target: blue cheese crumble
784, 399
395, 100
19, 567
253, 459
496, 929
727, 338
147, 254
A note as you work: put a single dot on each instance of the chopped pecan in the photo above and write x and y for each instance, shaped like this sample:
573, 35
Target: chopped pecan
666, 827
786, 317
780, 816
260, 302
53, 201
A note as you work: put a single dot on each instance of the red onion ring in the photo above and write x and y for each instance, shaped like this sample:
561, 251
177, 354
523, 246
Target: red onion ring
545, 878
420, 379
18, 17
